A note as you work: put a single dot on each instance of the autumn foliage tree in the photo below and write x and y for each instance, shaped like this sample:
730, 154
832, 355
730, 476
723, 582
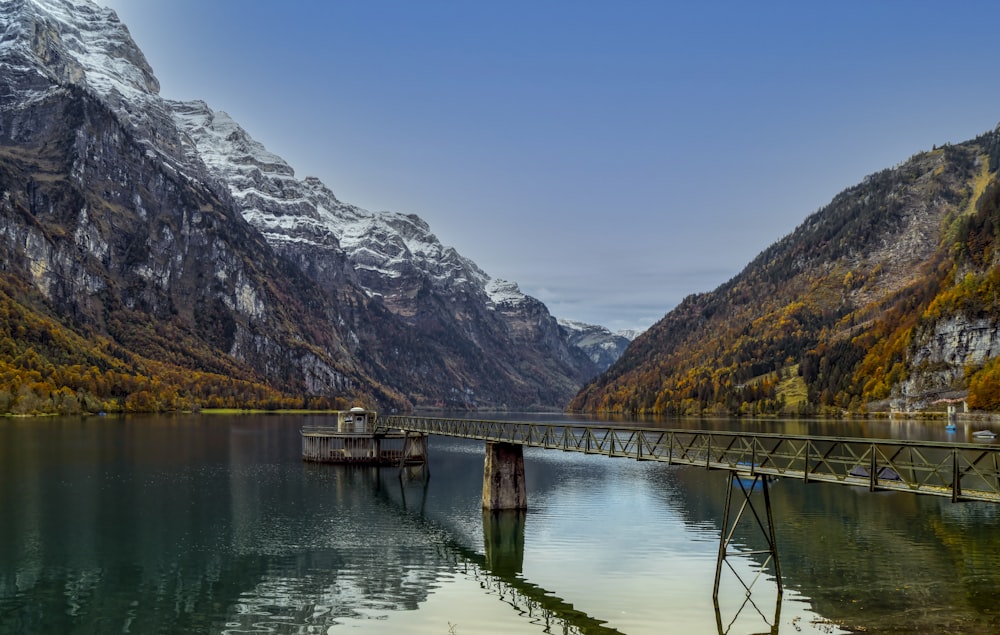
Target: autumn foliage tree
48, 368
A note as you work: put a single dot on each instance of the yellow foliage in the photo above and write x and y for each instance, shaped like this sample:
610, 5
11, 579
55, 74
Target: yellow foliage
46, 367
984, 387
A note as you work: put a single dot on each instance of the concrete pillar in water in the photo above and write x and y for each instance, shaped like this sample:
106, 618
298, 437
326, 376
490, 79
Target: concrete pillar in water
503, 477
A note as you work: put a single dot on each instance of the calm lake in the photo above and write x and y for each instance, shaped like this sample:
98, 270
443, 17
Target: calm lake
213, 524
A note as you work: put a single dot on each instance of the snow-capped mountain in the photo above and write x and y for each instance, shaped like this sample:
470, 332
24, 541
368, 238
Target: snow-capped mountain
391, 256
175, 212
381, 247
601, 345
50, 44
75, 42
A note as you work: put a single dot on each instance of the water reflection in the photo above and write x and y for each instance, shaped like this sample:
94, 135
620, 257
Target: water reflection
176, 526
770, 617
208, 525
159, 526
882, 562
499, 569
503, 539
748, 500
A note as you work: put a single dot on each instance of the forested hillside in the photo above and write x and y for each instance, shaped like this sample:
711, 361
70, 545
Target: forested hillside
886, 297
46, 367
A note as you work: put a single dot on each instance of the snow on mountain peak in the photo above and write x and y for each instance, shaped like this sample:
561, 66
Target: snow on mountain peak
47, 45
583, 328
79, 42
504, 292
224, 144
290, 211
84, 43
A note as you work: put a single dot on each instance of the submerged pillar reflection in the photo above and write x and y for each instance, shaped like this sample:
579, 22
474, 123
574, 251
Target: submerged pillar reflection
503, 539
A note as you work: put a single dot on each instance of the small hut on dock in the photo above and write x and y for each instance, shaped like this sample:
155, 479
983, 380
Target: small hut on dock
355, 436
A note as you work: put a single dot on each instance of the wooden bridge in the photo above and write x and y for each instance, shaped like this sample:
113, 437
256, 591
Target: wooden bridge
959, 471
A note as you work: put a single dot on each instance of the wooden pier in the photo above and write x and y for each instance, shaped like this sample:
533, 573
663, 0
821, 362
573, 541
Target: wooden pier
356, 437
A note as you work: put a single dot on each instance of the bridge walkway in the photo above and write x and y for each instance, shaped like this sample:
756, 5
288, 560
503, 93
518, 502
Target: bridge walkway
959, 471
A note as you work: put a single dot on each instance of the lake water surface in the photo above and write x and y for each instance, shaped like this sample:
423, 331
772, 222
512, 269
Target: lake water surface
211, 524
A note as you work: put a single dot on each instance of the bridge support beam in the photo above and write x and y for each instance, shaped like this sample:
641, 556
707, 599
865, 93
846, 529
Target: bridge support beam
503, 477
764, 522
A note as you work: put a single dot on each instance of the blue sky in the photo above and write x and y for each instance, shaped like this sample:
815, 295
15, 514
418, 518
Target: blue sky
610, 157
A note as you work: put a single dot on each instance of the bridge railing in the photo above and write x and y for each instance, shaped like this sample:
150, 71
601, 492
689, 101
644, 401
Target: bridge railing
961, 471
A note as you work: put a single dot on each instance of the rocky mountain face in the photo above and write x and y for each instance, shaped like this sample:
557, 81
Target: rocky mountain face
469, 323
106, 219
600, 344
164, 232
885, 298
943, 351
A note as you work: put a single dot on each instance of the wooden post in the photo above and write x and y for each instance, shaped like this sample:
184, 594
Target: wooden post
503, 477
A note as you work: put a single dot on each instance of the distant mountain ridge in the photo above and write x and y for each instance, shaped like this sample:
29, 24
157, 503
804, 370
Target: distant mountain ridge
601, 345
884, 299
163, 234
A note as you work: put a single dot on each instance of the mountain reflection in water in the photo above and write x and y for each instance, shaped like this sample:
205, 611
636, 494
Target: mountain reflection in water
211, 525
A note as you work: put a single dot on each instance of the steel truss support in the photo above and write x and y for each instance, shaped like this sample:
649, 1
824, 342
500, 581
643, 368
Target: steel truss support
764, 522
414, 444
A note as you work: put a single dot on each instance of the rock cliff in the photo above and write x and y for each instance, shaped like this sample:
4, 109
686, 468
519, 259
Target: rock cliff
164, 229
